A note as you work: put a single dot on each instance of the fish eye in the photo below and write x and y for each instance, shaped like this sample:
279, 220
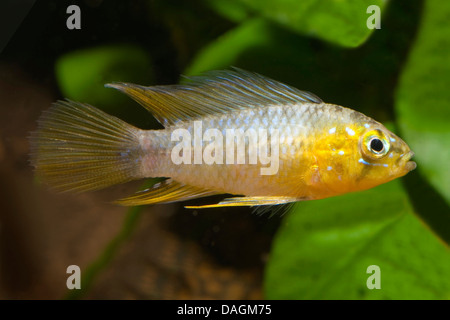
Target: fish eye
375, 144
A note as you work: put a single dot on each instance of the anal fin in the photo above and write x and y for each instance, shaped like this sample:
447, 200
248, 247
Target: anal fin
165, 192
247, 201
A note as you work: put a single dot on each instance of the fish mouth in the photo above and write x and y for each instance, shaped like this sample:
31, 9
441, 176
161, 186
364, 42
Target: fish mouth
409, 165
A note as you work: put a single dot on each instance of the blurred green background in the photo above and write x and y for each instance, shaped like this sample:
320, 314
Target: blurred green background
399, 75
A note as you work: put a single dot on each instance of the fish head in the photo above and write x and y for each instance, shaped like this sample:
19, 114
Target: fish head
356, 154
381, 157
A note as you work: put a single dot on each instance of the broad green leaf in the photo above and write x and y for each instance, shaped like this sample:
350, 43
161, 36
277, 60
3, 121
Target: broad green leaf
340, 22
226, 50
82, 74
423, 95
261, 46
324, 247
337, 75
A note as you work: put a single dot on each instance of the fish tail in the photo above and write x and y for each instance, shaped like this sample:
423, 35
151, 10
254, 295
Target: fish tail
77, 147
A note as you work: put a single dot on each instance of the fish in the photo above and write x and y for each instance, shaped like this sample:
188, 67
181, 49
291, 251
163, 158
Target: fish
225, 132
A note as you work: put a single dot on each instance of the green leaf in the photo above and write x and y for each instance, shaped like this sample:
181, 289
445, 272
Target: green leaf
423, 95
324, 247
261, 46
82, 74
226, 50
340, 22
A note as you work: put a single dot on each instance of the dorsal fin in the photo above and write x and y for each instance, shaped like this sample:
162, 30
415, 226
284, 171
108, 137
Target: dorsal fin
214, 92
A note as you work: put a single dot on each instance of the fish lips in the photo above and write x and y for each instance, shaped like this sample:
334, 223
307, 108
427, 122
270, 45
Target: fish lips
409, 165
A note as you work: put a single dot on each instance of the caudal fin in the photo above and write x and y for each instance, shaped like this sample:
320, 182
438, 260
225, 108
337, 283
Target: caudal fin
77, 147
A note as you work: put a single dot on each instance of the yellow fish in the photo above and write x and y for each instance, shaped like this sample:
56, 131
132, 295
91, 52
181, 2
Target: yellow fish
228, 131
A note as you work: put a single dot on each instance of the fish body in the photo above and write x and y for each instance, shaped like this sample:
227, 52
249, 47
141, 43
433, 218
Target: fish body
226, 132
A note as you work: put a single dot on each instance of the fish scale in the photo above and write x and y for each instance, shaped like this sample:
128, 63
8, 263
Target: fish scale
241, 181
